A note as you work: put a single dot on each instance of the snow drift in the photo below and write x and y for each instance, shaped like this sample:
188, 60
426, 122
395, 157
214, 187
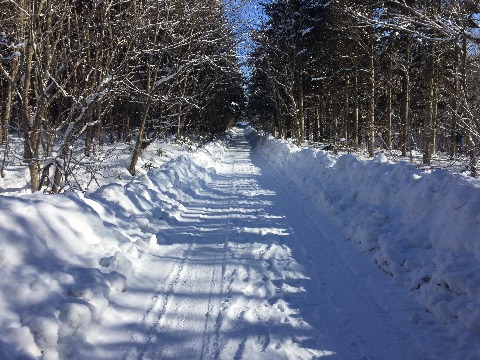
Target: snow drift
52, 285
64, 257
421, 227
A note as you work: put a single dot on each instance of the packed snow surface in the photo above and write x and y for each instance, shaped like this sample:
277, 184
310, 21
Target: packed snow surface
247, 248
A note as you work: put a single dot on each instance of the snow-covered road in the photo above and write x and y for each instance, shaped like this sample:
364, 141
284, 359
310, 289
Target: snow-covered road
250, 270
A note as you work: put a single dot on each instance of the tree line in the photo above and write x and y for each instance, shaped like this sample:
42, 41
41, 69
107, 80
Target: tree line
85, 72
399, 75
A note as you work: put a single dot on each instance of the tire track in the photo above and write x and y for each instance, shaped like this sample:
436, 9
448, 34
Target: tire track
224, 292
246, 259
210, 308
215, 255
201, 265
157, 308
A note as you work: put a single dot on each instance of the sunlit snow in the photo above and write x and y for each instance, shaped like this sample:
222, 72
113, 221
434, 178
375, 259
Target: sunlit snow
247, 248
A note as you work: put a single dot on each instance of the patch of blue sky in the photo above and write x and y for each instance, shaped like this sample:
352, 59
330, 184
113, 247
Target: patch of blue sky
245, 16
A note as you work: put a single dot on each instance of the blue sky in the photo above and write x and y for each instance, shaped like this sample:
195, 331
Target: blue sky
245, 15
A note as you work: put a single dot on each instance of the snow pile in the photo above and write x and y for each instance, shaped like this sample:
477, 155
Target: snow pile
63, 258
421, 227
51, 286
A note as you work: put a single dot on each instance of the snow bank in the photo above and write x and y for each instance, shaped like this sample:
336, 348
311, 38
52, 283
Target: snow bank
51, 288
421, 227
64, 258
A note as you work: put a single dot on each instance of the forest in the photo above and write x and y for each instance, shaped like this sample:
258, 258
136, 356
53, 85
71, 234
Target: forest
396, 75
239, 179
75, 74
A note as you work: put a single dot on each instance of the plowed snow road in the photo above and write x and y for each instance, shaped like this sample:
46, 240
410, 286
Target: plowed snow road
250, 270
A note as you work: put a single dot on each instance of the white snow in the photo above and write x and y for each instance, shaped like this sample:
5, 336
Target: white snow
421, 227
257, 250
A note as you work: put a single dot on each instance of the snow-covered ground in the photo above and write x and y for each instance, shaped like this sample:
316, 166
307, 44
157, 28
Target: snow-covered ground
245, 249
107, 164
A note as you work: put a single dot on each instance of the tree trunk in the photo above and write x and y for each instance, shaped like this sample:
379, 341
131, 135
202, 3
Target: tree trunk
301, 111
88, 140
179, 121
111, 125
335, 115
8, 103
405, 113
316, 127
472, 153
389, 103
28, 123
357, 116
59, 172
127, 134
468, 133
433, 146
346, 110
138, 144
455, 107
430, 114
405, 102
100, 128
371, 107
278, 115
